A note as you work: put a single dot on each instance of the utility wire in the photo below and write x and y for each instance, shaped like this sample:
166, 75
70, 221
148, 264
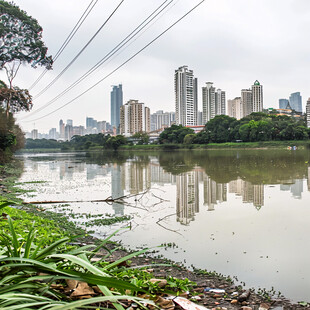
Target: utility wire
79, 53
125, 62
127, 39
68, 39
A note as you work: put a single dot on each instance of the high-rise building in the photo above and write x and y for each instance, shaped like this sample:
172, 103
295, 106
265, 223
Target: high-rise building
220, 102
284, 104
134, 118
161, 119
70, 122
296, 102
308, 113
213, 102
61, 130
235, 108
246, 102
208, 102
52, 134
257, 97
116, 103
186, 107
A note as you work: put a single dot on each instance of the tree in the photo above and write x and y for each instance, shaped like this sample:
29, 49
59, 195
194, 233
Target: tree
20, 43
116, 142
174, 134
142, 136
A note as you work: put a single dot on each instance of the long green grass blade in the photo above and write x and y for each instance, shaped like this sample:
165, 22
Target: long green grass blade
123, 259
94, 300
14, 237
81, 262
29, 242
49, 250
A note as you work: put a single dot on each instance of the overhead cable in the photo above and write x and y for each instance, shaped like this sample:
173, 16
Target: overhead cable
120, 66
68, 39
125, 41
79, 53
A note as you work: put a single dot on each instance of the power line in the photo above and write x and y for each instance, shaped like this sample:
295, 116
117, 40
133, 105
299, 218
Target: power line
68, 39
127, 39
120, 66
79, 53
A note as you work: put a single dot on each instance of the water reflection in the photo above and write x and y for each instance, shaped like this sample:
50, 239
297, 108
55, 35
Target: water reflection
263, 248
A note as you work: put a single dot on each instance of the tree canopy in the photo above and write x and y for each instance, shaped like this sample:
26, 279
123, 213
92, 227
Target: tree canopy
20, 39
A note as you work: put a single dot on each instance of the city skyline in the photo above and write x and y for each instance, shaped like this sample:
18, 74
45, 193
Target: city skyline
236, 56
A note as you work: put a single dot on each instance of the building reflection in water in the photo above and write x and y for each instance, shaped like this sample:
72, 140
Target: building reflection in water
295, 187
213, 192
187, 196
250, 193
136, 176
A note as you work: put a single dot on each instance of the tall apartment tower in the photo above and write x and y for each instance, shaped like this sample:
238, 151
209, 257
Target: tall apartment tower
208, 102
116, 103
61, 130
220, 102
235, 108
213, 102
257, 97
308, 113
134, 118
185, 87
296, 102
246, 102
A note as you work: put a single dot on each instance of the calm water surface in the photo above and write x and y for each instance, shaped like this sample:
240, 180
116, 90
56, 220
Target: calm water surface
242, 213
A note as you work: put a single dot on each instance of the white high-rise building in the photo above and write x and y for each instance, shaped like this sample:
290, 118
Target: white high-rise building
208, 102
220, 102
308, 113
213, 102
235, 108
246, 101
185, 86
134, 118
257, 97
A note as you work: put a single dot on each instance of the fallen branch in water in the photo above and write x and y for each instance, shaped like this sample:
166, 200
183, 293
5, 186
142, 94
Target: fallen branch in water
109, 199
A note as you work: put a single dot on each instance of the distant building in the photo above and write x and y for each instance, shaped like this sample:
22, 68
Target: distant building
235, 108
70, 122
199, 118
296, 102
134, 118
78, 131
34, 134
52, 134
186, 101
208, 102
161, 119
284, 104
257, 97
246, 102
213, 102
61, 130
116, 103
102, 126
308, 113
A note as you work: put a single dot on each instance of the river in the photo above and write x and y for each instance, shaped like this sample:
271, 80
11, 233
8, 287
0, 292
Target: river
242, 213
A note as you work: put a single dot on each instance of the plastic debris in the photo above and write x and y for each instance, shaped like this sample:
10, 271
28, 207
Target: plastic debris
217, 291
187, 304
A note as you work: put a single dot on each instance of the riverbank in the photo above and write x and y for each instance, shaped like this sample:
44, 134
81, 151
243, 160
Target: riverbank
204, 279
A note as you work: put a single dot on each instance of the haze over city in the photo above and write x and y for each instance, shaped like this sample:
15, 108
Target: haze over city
212, 41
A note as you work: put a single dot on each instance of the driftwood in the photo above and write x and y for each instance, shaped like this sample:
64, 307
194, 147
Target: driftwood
109, 199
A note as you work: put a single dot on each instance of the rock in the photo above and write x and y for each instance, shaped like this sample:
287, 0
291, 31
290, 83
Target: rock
234, 301
244, 303
160, 282
263, 307
244, 296
246, 308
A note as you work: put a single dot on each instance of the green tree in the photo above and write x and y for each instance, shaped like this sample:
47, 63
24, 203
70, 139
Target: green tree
20, 43
116, 142
221, 128
142, 136
174, 134
189, 138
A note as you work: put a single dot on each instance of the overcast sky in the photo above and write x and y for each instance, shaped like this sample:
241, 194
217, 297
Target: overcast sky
231, 43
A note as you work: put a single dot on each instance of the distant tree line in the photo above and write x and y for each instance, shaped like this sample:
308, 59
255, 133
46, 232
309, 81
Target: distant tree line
252, 128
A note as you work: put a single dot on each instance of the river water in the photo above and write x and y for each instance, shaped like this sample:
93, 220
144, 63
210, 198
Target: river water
242, 213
